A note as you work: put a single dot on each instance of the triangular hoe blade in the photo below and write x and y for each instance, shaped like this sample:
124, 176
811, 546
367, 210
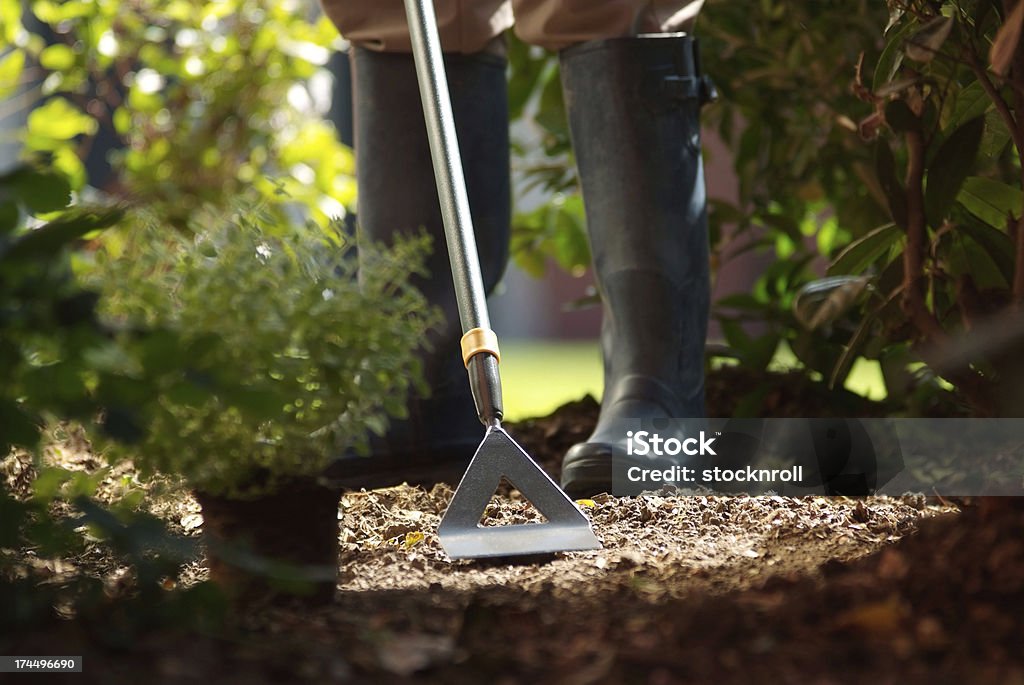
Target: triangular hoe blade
462, 536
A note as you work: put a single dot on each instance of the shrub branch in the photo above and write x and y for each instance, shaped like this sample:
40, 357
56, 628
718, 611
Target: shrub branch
1017, 78
913, 257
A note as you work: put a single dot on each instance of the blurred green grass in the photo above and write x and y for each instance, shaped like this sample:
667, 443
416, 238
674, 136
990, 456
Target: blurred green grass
538, 376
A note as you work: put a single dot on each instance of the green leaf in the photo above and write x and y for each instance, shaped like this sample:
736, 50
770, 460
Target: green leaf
122, 120
67, 162
11, 66
735, 336
56, 385
891, 58
530, 260
861, 253
571, 249
54, 12
971, 102
9, 216
57, 57
39, 190
994, 241
260, 403
49, 482
16, 427
947, 171
761, 350
57, 234
967, 258
161, 352
991, 201
187, 394
740, 301
57, 120
551, 107
996, 136
754, 352
524, 71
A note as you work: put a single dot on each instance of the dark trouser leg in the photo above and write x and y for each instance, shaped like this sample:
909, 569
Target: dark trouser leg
398, 196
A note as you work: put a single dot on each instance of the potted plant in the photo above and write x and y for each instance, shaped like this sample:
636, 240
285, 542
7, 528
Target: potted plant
253, 354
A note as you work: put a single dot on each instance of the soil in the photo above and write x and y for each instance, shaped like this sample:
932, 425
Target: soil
687, 588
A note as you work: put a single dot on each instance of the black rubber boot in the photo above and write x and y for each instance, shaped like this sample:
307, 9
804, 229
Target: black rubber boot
398, 196
634, 106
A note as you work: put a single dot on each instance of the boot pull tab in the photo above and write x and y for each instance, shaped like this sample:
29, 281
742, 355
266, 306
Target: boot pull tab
684, 81
706, 90
676, 89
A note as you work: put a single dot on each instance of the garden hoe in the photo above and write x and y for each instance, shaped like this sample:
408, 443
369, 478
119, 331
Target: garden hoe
461, 534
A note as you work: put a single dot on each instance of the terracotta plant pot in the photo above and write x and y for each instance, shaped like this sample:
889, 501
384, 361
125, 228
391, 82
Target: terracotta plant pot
276, 546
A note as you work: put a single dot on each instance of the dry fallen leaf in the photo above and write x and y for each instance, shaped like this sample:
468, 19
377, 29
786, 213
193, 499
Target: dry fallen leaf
191, 521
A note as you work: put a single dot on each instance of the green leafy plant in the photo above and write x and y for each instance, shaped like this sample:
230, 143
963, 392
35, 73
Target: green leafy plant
48, 328
272, 356
946, 128
784, 72
878, 145
555, 230
783, 115
51, 348
199, 100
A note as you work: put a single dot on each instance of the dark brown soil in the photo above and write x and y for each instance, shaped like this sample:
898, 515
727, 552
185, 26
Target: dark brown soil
687, 589
266, 526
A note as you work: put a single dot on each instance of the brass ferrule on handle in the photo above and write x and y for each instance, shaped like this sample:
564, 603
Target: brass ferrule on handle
479, 340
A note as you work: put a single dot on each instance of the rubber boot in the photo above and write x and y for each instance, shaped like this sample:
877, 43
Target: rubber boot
398, 196
633, 107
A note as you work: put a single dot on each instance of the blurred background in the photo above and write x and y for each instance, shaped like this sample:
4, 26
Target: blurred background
821, 269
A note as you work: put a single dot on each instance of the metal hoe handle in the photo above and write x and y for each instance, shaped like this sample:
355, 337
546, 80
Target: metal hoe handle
451, 189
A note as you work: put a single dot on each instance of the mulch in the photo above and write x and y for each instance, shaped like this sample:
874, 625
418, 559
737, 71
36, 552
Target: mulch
687, 589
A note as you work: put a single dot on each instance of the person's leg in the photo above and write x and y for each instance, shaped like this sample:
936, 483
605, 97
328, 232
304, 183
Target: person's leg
633, 104
380, 25
558, 24
397, 196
